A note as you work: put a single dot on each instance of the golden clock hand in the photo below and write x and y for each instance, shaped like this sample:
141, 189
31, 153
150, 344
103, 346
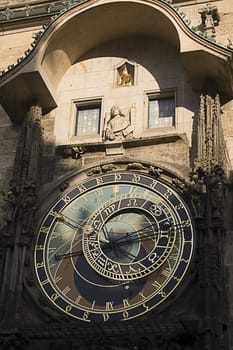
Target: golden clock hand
165, 227
68, 255
134, 233
125, 253
67, 220
77, 252
135, 239
105, 231
115, 244
107, 246
104, 236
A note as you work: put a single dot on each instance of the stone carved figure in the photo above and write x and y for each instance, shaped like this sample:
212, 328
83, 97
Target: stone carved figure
218, 189
210, 19
10, 207
118, 126
198, 193
29, 205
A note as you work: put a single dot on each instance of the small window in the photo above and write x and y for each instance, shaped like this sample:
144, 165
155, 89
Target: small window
161, 111
87, 118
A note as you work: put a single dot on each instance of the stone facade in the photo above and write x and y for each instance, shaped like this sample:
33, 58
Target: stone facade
69, 66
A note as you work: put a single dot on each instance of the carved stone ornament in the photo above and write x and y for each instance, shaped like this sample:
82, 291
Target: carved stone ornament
218, 189
101, 169
210, 19
197, 188
13, 342
125, 74
20, 217
210, 159
156, 172
117, 126
181, 185
21, 201
136, 166
75, 152
210, 140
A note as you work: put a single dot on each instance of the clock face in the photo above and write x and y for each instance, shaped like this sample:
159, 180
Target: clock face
114, 247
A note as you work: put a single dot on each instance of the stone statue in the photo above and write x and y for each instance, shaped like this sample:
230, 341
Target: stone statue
118, 126
125, 77
210, 19
198, 193
11, 206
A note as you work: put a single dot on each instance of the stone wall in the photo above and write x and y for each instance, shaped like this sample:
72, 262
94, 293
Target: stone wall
224, 30
158, 68
161, 69
13, 44
9, 134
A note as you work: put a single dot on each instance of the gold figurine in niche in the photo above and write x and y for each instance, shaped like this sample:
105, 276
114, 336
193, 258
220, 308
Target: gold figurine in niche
126, 74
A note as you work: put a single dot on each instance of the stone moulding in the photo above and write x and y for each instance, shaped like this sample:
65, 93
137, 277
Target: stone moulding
57, 9
49, 49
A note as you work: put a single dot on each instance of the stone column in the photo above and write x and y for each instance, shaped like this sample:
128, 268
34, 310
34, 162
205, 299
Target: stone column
20, 214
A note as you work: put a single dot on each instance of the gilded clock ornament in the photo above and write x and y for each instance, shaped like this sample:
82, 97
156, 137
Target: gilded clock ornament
114, 247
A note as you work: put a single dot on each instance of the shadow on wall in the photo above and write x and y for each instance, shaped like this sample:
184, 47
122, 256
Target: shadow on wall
160, 62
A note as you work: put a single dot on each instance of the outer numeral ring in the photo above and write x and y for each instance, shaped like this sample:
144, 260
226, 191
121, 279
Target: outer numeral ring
156, 292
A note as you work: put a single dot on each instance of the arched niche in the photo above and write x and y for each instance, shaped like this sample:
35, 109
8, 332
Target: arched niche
83, 27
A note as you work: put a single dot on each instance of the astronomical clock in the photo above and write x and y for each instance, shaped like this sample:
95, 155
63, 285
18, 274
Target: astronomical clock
115, 170
114, 246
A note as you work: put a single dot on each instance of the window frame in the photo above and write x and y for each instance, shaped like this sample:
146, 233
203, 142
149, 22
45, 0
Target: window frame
87, 103
159, 95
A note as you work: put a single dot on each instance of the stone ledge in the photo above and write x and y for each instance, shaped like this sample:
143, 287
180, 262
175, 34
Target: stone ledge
67, 150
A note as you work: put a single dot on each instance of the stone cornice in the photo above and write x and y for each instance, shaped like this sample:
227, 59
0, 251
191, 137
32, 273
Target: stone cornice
49, 12
29, 11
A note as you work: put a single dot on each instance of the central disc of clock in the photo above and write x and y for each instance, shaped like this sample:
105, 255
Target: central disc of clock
118, 238
125, 242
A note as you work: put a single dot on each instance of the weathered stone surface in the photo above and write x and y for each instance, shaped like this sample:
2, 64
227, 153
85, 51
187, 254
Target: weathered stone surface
5, 3
158, 67
13, 46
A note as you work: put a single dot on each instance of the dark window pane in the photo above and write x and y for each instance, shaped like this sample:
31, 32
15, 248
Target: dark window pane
161, 112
